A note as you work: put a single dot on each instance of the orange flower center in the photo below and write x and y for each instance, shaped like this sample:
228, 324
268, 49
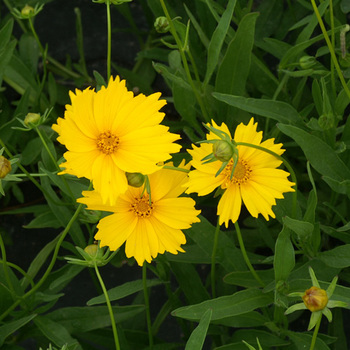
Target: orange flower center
107, 142
240, 176
141, 207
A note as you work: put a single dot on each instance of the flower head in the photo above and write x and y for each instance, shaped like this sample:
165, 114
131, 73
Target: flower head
252, 178
147, 226
110, 132
316, 300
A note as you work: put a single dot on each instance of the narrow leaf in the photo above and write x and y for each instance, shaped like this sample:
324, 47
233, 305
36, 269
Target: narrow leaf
196, 340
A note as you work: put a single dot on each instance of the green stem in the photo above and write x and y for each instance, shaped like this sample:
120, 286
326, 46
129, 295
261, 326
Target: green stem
331, 50
109, 306
213, 258
331, 15
184, 62
6, 272
245, 256
314, 336
175, 168
49, 268
20, 270
148, 314
34, 175
285, 162
109, 39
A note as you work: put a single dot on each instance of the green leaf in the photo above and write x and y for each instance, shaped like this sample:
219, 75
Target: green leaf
303, 229
228, 255
196, 340
277, 110
247, 280
6, 46
86, 319
338, 257
46, 219
55, 332
190, 282
38, 261
11, 327
249, 319
29, 51
217, 40
267, 339
284, 260
302, 341
320, 155
123, 291
234, 69
226, 306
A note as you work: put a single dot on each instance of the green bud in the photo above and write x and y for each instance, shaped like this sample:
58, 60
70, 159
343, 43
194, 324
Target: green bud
91, 250
161, 24
27, 11
135, 179
307, 62
31, 118
5, 167
223, 150
326, 121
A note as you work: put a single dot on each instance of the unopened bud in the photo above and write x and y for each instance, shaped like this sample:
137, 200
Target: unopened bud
307, 62
5, 167
31, 118
161, 25
223, 150
315, 299
91, 250
135, 179
27, 11
326, 121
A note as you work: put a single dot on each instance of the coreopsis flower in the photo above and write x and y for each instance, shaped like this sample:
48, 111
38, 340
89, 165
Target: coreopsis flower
148, 226
110, 132
317, 300
248, 174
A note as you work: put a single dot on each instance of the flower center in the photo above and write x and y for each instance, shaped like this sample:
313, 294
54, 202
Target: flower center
107, 142
141, 207
241, 173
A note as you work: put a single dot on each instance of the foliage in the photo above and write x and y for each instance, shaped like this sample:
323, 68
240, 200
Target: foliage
283, 62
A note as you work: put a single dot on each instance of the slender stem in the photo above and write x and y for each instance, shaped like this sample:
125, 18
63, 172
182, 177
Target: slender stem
285, 162
109, 306
245, 256
184, 62
175, 168
148, 314
109, 39
314, 336
213, 258
34, 175
6, 272
331, 50
331, 15
50, 267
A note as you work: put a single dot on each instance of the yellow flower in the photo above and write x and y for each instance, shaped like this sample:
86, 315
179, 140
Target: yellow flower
110, 132
147, 228
255, 180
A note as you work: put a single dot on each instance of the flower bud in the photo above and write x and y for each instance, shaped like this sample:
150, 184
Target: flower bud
315, 299
307, 62
5, 167
135, 179
161, 24
91, 250
31, 118
326, 121
27, 11
223, 150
